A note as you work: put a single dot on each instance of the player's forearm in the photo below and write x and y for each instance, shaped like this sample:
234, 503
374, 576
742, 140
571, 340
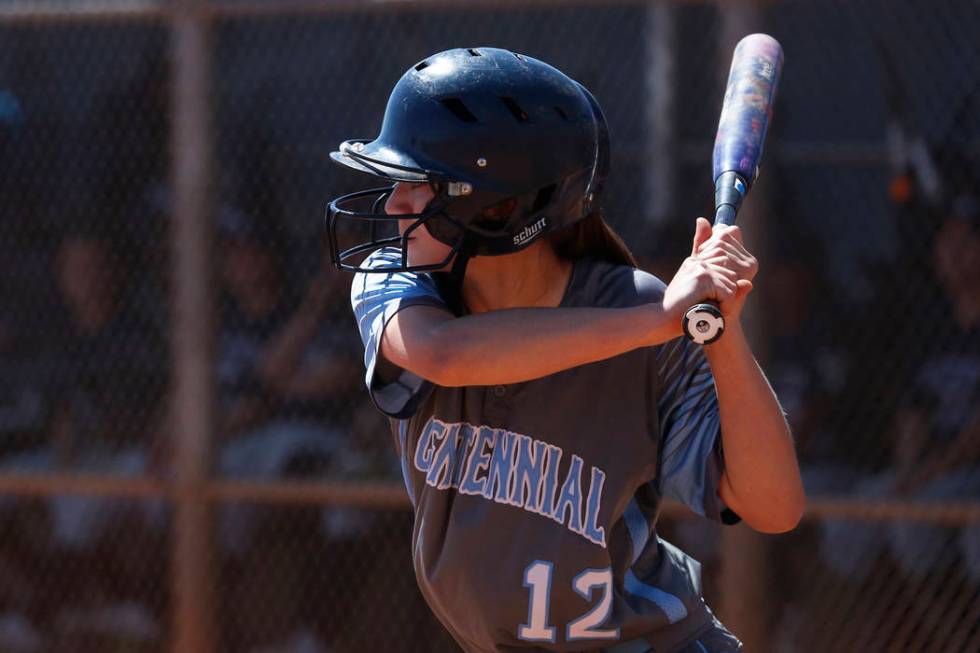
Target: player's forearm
762, 478
515, 345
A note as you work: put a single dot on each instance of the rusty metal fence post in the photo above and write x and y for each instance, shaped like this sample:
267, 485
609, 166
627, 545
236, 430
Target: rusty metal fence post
660, 84
193, 585
744, 574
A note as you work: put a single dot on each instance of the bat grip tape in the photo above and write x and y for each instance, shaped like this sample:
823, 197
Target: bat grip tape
730, 190
725, 214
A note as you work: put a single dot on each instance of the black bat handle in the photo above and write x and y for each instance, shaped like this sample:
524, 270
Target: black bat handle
704, 323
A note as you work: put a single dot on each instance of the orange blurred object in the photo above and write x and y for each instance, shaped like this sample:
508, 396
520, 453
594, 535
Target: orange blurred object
900, 189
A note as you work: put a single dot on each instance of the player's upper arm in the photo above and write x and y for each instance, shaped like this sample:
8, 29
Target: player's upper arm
730, 515
396, 315
411, 340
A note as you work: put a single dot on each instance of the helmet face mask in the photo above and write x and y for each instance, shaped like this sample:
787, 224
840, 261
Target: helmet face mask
383, 229
513, 148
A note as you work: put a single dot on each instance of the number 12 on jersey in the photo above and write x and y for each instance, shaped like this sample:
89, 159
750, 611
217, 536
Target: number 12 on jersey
537, 578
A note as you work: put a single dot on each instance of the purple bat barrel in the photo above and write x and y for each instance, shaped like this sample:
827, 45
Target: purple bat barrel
752, 80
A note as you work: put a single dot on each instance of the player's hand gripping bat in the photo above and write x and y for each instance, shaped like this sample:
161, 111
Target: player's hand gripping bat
745, 114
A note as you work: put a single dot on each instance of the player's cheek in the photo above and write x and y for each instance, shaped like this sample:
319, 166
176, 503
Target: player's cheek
422, 194
403, 226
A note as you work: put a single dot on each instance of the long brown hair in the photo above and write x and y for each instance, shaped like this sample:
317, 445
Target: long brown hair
592, 236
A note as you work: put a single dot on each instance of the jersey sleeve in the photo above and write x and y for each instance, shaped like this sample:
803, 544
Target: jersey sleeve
690, 430
376, 298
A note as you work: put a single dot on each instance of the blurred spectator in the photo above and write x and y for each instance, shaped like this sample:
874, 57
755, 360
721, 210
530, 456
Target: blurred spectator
102, 388
112, 364
286, 374
24, 405
935, 452
283, 366
806, 362
279, 367
23, 408
25, 414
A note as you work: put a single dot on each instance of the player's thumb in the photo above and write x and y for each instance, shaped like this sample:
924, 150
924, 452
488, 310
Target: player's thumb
742, 290
702, 232
732, 307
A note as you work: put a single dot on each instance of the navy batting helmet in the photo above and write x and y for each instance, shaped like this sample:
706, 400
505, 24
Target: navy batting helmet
512, 147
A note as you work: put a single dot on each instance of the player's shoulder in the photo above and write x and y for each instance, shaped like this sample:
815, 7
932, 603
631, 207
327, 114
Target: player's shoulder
378, 286
382, 258
602, 283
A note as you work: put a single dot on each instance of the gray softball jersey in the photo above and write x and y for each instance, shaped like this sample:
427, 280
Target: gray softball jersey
536, 503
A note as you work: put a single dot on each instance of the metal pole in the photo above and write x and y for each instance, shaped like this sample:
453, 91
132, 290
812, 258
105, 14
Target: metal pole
660, 118
744, 576
193, 586
103, 11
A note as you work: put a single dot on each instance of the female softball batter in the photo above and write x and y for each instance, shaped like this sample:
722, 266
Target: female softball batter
542, 400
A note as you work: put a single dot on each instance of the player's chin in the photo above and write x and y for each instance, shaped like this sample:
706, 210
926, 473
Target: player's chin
420, 261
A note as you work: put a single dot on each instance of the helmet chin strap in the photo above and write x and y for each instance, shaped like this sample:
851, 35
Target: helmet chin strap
452, 281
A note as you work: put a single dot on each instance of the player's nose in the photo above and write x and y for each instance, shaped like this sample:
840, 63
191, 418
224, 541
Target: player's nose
400, 200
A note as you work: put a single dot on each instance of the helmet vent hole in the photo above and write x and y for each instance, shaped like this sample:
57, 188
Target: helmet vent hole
458, 109
515, 109
474, 52
543, 198
561, 112
422, 66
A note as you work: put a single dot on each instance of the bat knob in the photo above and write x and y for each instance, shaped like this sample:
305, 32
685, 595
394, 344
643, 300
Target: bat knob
703, 323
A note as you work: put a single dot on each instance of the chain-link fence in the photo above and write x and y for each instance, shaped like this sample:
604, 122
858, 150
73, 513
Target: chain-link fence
189, 460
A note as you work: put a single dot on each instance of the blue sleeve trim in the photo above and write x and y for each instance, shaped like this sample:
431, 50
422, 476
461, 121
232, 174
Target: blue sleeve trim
690, 429
375, 299
671, 606
638, 527
406, 466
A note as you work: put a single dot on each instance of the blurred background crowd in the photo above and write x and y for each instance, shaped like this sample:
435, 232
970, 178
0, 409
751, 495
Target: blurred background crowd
866, 314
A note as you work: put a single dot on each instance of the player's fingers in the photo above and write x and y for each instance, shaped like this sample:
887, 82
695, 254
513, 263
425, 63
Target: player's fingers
724, 289
719, 268
730, 232
731, 256
735, 243
719, 245
714, 282
739, 248
728, 262
716, 256
702, 232
725, 235
719, 277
